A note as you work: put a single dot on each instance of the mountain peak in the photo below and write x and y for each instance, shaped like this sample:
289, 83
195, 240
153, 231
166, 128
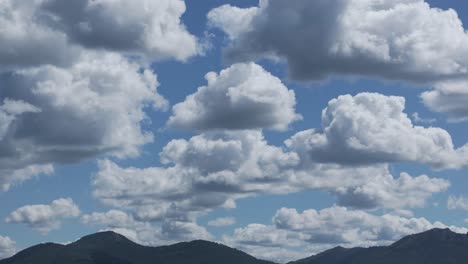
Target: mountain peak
103, 237
435, 235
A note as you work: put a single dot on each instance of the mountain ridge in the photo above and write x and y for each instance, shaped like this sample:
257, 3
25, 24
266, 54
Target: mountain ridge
435, 246
112, 248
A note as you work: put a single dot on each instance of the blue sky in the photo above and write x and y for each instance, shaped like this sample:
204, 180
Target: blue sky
58, 112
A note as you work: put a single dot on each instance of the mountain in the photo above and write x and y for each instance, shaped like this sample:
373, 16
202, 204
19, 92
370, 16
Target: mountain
436, 246
112, 248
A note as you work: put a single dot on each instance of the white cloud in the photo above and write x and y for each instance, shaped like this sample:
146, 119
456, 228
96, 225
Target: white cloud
150, 27
373, 128
420, 120
385, 191
22, 36
392, 39
457, 203
62, 115
44, 218
222, 221
147, 233
213, 170
9, 177
313, 231
232, 20
243, 96
75, 81
449, 97
7, 247
111, 219
208, 171
62, 30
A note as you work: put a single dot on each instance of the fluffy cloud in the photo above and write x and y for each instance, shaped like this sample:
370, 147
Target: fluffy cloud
7, 247
392, 39
208, 171
61, 115
234, 21
313, 231
86, 92
61, 30
449, 97
243, 96
373, 128
385, 191
22, 37
213, 170
145, 232
457, 203
45, 218
150, 27
223, 221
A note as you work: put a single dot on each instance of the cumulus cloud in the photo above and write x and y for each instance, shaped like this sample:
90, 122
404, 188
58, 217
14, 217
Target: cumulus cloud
213, 170
222, 221
208, 171
147, 233
44, 218
449, 97
243, 96
388, 192
373, 128
61, 30
153, 28
61, 115
233, 20
314, 231
406, 40
87, 91
7, 247
457, 203
22, 37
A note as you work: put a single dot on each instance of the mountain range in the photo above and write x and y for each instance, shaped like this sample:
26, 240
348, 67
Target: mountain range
436, 246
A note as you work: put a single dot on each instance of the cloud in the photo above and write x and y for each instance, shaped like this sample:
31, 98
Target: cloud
449, 97
9, 177
457, 203
234, 21
44, 218
61, 115
62, 30
405, 40
22, 36
205, 172
7, 247
373, 128
152, 28
314, 231
213, 170
222, 221
243, 96
145, 232
387, 192
420, 120
87, 91
9, 110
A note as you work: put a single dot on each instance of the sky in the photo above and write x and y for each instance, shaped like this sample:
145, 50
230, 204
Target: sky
281, 128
